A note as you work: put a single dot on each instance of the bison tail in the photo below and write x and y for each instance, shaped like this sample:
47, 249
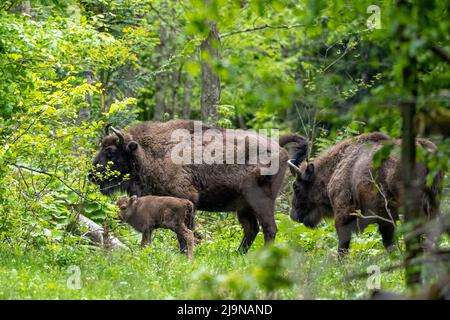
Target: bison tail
301, 148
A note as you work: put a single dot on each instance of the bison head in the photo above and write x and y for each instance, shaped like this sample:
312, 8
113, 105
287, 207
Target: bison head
113, 163
308, 206
124, 204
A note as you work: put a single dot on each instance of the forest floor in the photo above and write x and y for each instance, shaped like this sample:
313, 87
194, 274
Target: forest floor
302, 264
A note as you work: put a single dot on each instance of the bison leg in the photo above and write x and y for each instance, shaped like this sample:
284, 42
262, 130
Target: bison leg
344, 233
181, 243
266, 218
146, 237
190, 223
387, 234
188, 239
269, 227
263, 207
260, 194
249, 223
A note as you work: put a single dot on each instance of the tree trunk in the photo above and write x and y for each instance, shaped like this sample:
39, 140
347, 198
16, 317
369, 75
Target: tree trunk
84, 112
411, 203
161, 76
411, 200
175, 85
210, 81
23, 7
160, 82
187, 97
241, 121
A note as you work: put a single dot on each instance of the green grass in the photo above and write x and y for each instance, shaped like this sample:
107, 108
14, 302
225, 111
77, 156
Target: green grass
302, 264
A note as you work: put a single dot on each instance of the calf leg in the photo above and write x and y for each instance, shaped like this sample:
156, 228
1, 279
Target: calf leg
188, 237
181, 243
190, 221
247, 219
190, 224
146, 237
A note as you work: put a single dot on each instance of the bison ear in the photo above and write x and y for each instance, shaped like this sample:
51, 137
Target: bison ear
309, 172
131, 146
133, 199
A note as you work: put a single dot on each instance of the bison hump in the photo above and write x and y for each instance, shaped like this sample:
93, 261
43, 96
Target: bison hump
372, 137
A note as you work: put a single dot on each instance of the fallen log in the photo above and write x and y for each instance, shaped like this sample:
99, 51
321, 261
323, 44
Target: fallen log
98, 234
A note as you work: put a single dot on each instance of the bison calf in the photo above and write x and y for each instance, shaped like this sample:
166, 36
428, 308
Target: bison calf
151, 212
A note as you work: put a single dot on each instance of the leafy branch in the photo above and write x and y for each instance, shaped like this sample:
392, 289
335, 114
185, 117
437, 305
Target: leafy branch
266, 26
52, 175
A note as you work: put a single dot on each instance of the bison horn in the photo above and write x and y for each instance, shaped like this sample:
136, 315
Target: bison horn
294, 168
119, 135
107, 128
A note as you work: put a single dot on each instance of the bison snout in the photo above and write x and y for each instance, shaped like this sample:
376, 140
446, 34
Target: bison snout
294, 215
91, 176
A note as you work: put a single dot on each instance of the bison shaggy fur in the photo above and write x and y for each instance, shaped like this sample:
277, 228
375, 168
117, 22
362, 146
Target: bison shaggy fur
342, 182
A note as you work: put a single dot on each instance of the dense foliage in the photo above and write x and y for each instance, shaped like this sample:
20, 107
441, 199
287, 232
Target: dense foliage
324, 69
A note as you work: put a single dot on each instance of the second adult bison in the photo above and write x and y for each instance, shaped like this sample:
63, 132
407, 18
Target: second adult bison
341, 181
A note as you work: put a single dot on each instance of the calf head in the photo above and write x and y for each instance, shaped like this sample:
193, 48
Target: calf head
113, 162
126, 207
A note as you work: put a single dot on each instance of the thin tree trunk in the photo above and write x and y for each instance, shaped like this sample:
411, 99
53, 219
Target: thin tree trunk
23, 7
84, 112
187, 97
411, 200
103, 101
411, 197
161, 76
175, 85
210, 81
160, 83
241, 122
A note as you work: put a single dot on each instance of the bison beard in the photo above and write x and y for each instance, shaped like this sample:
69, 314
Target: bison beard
144, 153
340, 181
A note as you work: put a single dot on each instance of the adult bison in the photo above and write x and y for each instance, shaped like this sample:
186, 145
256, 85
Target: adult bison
140, 161
341, 180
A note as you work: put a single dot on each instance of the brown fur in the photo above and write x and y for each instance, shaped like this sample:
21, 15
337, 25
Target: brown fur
148, 213
146, 156
339, 182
